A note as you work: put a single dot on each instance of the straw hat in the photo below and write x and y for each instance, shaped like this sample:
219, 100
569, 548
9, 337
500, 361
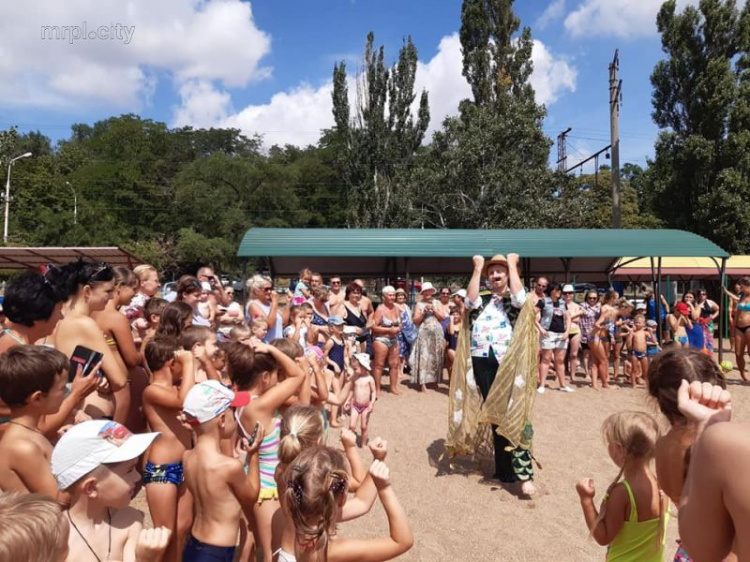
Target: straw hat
497, 259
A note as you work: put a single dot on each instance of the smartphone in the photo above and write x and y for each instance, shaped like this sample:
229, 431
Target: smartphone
86, 358
254, 434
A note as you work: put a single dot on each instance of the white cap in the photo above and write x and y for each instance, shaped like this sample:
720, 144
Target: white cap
363, 359
641, 306
209, 399
568, 289
92, 443
427, 286
206, 286
461, 293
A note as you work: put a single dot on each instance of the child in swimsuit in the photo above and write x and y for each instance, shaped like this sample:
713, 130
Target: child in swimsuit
638, 346
680, 322
362, 396
633, 517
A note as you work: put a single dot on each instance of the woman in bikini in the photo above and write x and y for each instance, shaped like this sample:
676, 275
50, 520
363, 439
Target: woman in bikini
119, 337
91, 287
742, 325
599, 339
386, 326
321, 312
574, 333
354, 316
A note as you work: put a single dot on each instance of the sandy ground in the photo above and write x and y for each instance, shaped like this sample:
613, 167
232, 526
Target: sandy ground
459, 514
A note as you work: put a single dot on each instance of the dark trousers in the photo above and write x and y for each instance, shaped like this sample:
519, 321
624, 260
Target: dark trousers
485, 369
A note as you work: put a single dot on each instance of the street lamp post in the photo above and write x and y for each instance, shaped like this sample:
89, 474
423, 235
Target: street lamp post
75, 203
7, 194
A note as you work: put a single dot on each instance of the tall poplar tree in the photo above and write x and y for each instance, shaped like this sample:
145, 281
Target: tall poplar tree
378, 143
490, 163
700, 177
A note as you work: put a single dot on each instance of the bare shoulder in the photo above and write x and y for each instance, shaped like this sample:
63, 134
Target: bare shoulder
127, 517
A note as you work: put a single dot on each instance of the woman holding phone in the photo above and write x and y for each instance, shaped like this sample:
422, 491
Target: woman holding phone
91, 286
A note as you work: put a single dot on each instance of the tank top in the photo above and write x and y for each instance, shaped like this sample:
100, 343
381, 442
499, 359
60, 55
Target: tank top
276, 331
636, 541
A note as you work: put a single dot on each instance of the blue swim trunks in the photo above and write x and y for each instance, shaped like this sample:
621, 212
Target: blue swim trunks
171, 473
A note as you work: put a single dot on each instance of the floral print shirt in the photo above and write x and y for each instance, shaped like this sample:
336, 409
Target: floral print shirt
492, 329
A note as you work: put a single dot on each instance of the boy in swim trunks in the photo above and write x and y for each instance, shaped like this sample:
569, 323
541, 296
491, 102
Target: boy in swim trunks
638, 346
168, 500
362, 398
218, 482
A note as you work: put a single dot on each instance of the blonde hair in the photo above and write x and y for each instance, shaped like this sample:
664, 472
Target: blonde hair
142, 271
301, 428
316, 483
636, 433
259, 321
33, 528
239, 331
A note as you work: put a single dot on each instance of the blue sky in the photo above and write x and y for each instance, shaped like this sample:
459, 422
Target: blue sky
266, 66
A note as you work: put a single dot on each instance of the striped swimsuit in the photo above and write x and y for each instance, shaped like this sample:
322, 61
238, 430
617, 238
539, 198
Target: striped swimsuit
268, 460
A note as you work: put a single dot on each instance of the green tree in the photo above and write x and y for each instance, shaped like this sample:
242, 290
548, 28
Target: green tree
700, 177
380, 142
488, 166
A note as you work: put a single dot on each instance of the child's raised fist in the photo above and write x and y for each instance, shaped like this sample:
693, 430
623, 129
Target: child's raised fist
151, 544
348, 438
585, 488
378, 448
381, 474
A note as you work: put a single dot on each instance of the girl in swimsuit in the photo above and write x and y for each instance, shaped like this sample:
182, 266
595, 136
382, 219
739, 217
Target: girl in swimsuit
599, 340
742, 325
633, 517
92, 286
679, 322
254, 368
119, 337
386, 325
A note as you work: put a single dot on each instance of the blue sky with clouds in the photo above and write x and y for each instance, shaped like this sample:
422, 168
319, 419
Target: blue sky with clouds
266, 66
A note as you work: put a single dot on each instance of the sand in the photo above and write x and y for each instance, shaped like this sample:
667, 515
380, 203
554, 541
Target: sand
459, 514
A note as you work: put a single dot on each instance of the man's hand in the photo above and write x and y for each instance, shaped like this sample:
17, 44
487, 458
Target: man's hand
513, 259
478, 262
151, 544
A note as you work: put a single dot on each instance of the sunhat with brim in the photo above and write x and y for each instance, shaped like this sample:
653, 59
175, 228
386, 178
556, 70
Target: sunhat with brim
497, 259
460, 293
400, 291
89, 444
568, 289
364, 360
427, 286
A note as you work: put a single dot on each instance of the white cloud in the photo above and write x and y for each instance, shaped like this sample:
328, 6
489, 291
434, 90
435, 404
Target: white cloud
297, 116
551, 14
620, 18
185, 40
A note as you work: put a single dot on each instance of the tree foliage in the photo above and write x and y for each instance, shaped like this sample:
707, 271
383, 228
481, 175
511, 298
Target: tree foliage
700, 177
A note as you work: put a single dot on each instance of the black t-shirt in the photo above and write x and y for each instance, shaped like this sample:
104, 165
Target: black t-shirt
557, 324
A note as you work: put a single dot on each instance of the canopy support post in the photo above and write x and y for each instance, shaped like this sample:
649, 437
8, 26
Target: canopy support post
722, 309
408, 283
657, 297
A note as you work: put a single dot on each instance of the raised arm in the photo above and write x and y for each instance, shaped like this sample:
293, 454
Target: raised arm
472, 291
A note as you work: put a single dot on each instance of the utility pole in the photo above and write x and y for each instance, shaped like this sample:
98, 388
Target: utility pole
562, 152
615, 98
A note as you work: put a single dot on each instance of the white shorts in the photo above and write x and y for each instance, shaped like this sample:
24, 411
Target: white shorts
553, 340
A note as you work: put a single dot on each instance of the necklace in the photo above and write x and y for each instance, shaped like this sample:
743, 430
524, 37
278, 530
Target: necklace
109, 540
26, 426
14, 336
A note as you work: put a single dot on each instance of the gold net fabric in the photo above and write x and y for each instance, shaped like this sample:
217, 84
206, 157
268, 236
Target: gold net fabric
510, 400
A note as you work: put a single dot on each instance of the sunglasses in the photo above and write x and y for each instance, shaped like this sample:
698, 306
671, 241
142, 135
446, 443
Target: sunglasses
592, 298
267, 289
335, 282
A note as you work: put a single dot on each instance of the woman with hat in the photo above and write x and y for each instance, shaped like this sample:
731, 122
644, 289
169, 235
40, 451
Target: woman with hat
427, 357
495, 372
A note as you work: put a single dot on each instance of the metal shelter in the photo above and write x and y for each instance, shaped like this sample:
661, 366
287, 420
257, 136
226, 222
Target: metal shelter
12, 257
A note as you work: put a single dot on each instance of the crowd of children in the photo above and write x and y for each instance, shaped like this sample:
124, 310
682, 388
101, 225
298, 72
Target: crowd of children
226, 429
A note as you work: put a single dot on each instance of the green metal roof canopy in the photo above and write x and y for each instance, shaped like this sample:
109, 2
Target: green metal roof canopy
589, 254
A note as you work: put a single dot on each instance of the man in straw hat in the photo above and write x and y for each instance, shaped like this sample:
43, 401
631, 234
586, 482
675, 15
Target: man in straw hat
493, 379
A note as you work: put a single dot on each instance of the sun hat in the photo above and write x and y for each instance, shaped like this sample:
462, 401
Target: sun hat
400, 291
568, 288
363, 359
497, 259
651, 323
314, 350
206, 286
89, 444
427, 286
461, 293
336, 320
209, 399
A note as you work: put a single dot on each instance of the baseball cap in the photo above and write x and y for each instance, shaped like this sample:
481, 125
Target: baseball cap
641, 306
363, 359
89, 444
461, 293
209, 399
335, 319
